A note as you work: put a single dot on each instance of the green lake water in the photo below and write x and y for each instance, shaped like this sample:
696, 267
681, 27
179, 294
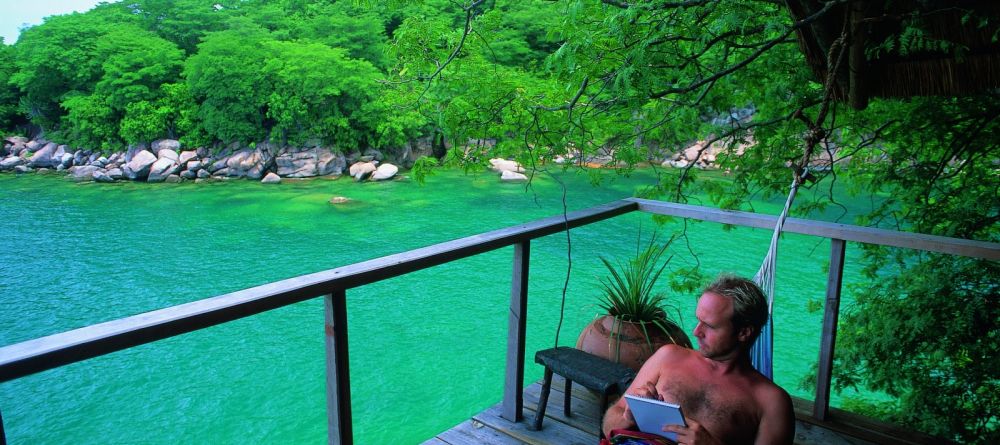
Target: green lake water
426, 349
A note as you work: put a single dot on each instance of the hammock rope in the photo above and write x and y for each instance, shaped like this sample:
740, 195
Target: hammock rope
762, 351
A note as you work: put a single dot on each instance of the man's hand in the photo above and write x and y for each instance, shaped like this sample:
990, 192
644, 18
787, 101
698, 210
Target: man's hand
648, 391
693, 434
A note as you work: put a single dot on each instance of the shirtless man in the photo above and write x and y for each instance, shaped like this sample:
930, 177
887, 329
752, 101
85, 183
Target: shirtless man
724, 399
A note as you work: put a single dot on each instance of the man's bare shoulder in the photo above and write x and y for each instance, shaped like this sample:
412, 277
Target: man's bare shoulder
671, 355
777, 421
772, 397
672, 350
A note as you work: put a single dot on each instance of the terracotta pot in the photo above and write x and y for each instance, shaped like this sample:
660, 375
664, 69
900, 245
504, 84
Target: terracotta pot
624, 342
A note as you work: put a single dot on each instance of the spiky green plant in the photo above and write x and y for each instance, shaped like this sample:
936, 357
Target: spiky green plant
628, 292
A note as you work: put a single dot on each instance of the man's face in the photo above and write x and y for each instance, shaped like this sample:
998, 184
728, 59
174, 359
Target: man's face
716, 336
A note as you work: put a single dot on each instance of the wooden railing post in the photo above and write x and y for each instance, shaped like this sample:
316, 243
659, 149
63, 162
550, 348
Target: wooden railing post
829, 337
513, 399
338, 377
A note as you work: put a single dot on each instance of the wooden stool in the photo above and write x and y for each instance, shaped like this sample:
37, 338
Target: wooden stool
588, 370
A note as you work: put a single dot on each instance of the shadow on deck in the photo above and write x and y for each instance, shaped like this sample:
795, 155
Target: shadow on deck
488, 427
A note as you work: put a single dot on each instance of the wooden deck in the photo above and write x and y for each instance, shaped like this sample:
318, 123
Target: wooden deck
488, 427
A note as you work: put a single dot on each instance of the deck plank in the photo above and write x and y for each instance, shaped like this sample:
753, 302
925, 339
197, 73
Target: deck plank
808, 434
472, 432
552, 433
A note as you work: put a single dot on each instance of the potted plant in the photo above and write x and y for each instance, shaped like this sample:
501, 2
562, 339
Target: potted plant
635, 323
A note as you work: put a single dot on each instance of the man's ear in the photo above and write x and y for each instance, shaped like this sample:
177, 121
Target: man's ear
745, 333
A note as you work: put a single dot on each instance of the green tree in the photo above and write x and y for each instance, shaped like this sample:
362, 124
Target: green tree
183, 22
136, 64
357, 30
59, 58
225, 78
10, 115
635, 80
926, 329
90, 122
316, 91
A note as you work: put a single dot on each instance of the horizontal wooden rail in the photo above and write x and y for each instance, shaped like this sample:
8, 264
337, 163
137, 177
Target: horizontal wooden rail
931, 243
21, 359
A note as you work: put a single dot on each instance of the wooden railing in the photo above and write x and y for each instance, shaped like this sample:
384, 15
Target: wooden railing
57, 350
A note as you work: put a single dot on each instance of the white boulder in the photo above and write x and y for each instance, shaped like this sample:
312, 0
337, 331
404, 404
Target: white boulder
384, 171
271, 178
509, 176
43, 157
81, 173
361, 170
161, 169
102, 176
187, 156
10, 162
138, 168
167, 153
502, 165
328, 163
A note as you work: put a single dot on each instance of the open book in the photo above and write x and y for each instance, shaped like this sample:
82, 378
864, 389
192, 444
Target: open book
651, 415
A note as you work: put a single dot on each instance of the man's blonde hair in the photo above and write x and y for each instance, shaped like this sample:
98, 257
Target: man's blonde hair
749, 302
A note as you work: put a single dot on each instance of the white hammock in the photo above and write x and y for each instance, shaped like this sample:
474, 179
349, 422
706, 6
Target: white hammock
763, 349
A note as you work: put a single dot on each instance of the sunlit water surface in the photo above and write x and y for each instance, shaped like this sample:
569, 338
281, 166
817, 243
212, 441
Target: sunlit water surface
426, 349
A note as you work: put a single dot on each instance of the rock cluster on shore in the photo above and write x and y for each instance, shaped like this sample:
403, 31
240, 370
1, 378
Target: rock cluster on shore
164, 161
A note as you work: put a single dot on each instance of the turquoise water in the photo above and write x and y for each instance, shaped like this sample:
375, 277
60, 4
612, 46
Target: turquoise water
426, 349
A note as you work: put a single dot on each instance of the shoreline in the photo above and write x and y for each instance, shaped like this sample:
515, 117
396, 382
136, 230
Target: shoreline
165, 161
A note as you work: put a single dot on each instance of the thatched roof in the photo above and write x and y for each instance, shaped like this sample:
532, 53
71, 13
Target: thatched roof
903, 48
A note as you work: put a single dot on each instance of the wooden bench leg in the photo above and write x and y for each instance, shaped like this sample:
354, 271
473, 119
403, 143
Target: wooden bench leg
568, 390
543, 400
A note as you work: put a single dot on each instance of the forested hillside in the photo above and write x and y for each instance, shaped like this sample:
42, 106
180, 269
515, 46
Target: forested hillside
624, 82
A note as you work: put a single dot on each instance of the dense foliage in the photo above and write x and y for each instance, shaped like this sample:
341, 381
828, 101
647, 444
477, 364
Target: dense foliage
205, 72
625, 82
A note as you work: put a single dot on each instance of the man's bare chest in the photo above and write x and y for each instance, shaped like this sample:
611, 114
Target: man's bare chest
726, 411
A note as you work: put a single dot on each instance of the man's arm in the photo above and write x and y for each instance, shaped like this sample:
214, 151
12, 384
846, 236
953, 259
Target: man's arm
777, 425
615, 418
618, 416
